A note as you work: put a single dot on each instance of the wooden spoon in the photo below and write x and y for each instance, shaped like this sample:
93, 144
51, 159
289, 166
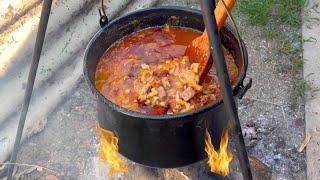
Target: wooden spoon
198, 50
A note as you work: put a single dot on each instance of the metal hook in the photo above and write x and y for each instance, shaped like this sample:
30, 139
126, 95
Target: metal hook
103, 16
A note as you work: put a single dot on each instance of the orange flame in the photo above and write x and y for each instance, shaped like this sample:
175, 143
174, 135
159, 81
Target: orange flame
108, 152
218, 160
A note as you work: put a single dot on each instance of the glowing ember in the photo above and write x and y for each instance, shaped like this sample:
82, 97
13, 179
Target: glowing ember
218, 160
108, 152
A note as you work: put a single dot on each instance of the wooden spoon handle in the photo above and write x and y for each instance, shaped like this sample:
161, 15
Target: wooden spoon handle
220, 12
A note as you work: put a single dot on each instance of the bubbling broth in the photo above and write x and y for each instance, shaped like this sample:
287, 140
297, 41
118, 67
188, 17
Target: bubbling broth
147, 72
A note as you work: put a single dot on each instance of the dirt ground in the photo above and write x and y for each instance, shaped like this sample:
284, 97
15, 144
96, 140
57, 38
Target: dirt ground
268, 106
274, 130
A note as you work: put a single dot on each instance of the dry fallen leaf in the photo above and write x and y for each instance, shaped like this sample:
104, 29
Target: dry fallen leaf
51, 177
304, 143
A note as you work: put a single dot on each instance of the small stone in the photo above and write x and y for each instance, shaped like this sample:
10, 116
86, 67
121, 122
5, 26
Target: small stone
39, 169
277, 157
250, 132
77, 94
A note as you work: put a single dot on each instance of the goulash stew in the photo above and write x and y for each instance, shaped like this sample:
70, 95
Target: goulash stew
147, 72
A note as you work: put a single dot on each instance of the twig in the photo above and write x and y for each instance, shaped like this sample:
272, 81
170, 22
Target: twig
31, 165
260, 100
304, 143
284, 116
284, 120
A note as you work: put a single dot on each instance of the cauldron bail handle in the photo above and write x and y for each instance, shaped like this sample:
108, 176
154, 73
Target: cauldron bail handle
103, 16
243, 88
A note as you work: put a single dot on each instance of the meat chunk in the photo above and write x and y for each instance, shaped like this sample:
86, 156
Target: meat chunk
161, 92
188, 93
158, 110
161, 73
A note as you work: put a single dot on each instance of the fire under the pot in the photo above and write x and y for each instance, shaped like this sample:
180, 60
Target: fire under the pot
218, 160
108, 152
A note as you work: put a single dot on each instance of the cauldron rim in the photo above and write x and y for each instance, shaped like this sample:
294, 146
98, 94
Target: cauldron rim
171, 117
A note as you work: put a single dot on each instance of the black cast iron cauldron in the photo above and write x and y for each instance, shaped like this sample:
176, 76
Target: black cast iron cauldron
164, 141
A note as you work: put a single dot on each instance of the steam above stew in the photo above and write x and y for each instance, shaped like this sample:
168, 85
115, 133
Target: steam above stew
147, 72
